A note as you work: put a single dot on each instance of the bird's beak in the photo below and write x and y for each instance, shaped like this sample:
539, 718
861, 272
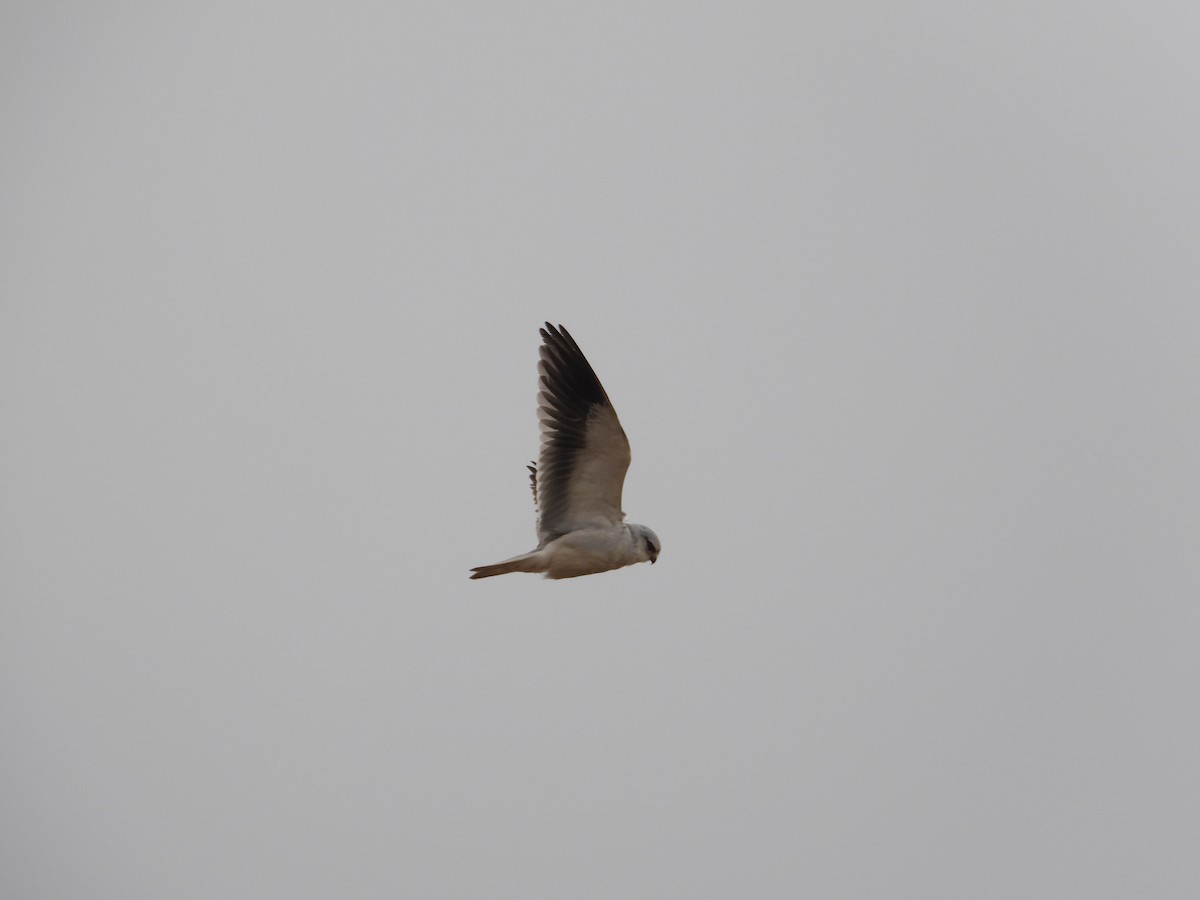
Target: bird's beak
653, 560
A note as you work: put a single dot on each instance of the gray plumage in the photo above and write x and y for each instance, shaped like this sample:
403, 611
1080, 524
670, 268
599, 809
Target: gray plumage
579, 474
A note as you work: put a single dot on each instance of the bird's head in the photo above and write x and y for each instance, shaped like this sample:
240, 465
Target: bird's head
647, 542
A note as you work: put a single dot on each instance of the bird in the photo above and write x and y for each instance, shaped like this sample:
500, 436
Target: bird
579, 473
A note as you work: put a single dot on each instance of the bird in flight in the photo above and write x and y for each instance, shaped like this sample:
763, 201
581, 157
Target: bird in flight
579, 474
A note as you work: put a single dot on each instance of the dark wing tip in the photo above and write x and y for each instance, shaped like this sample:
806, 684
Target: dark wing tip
553, 336
567, 371
557, 334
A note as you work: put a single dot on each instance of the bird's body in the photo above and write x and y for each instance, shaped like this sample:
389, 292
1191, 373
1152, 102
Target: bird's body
580, 472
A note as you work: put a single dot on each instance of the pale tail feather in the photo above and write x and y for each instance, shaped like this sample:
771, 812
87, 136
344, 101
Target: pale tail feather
526, 562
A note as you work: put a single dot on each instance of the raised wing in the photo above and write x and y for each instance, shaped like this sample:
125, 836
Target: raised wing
584, 455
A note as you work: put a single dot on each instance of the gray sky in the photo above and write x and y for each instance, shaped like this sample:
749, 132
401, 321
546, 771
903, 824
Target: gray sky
897, 303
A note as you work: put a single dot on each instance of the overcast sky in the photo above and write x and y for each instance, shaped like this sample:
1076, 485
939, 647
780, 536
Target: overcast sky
897, 302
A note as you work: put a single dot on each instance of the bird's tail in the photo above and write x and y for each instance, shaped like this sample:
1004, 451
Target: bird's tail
526, 562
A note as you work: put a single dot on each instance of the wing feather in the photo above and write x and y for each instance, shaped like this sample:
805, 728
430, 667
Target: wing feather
584, 454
